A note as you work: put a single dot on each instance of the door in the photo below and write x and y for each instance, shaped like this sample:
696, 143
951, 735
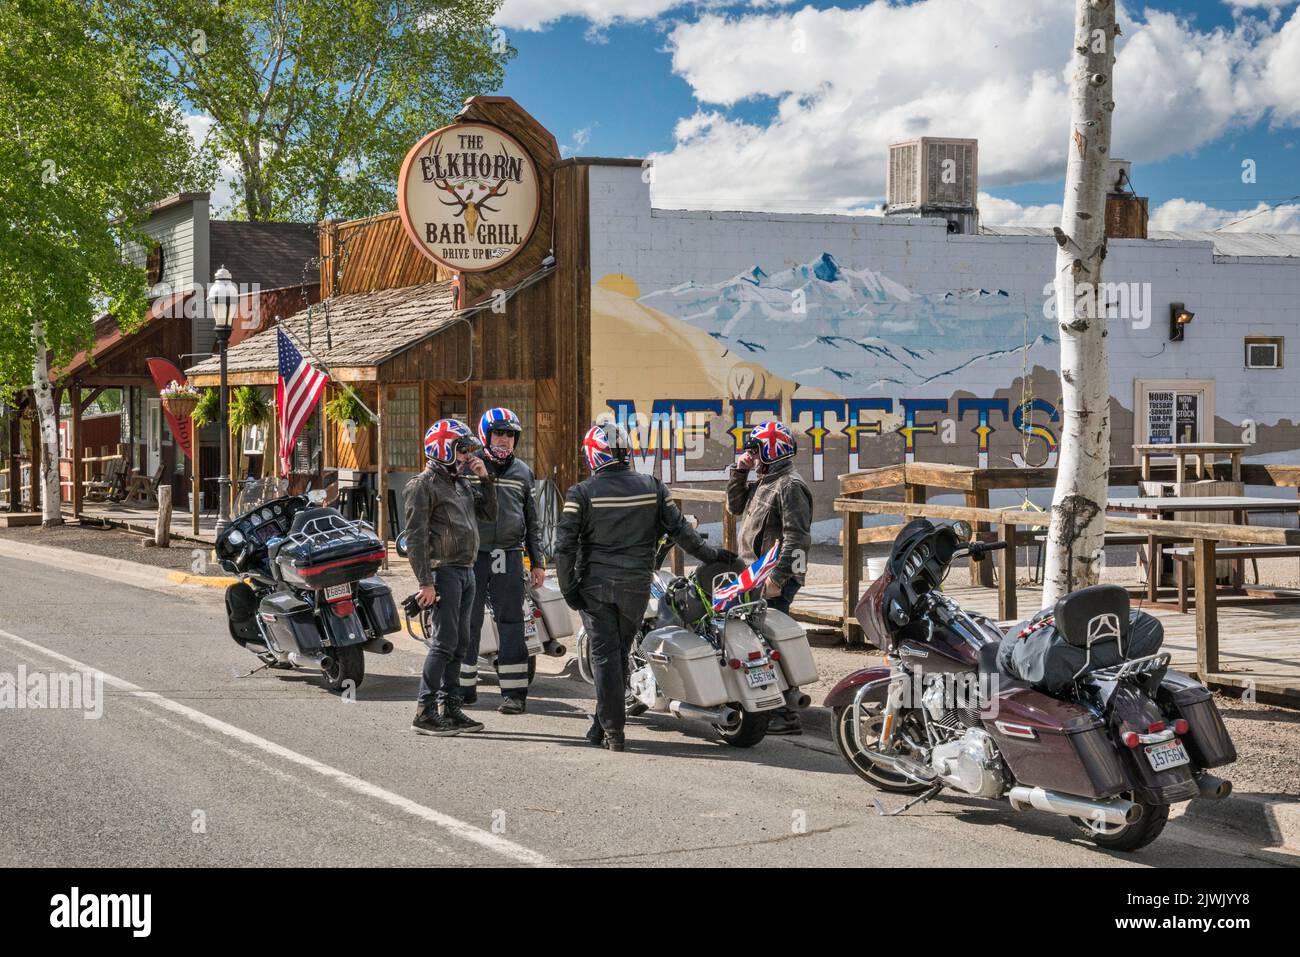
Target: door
153, 436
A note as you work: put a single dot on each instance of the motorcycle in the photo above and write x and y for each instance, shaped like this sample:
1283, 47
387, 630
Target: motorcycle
307, 596
730, 667
546, 624
1117, 741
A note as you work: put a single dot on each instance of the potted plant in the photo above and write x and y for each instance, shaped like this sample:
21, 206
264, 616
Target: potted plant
207, 409
179, 399
353, 449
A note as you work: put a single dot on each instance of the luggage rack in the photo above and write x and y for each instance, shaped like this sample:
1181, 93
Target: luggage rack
329, 530
1134, 666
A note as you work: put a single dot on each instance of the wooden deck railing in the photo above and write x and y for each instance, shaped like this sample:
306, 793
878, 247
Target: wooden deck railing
712, 496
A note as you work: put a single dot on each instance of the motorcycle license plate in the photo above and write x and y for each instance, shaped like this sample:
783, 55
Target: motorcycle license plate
338, 591
1171, 754
760, 677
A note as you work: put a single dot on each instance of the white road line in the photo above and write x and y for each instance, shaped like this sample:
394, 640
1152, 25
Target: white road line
453, 826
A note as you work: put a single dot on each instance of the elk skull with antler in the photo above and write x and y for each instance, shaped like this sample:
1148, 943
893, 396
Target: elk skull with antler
472, 209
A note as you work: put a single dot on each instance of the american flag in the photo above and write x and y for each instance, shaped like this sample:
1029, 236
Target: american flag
751, 577
297, 390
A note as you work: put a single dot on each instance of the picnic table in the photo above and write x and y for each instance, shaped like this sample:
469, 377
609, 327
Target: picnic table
1204, 454
1167, 508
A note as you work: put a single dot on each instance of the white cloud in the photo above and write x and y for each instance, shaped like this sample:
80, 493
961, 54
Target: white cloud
537, 14
199, 126
1240, 4
1182, 214
1005, 212
846, 83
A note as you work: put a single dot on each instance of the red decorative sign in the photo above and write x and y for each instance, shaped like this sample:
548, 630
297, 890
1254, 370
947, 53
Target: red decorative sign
164, 374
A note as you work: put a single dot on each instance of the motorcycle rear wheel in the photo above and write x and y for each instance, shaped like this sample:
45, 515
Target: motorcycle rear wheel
867, 769
751, 729
346, 664
1128, 837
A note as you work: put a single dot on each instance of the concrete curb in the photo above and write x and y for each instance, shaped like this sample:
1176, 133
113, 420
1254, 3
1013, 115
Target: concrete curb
113, 569
207, 581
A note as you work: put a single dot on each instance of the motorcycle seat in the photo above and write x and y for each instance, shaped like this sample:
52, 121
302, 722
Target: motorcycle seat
1093, 616
988, 665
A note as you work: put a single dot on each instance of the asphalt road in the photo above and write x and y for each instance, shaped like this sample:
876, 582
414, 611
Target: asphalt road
190, 764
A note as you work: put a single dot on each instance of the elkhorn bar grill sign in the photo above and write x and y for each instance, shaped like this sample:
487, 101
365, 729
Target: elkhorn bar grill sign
469, 197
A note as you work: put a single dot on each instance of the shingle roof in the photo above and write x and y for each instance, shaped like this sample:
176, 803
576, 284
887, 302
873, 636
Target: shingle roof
1225, 243
349, 331
271, 254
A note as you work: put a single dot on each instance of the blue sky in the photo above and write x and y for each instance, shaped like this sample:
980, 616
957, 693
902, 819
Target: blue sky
790, 105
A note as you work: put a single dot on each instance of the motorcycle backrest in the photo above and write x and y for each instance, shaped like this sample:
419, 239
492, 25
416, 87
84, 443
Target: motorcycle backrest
1094, 615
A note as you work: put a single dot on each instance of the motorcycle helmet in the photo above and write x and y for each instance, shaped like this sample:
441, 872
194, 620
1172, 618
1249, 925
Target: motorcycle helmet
771, 442
498, 420
688, 602
605, 445
447, 438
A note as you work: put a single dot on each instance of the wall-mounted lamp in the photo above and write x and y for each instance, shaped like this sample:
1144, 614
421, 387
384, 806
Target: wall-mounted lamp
1179, 317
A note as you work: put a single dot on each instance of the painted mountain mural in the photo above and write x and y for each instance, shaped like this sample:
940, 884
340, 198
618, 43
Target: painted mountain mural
858, 331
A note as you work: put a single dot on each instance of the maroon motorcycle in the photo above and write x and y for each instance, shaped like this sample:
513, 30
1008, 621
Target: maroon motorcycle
1117, 739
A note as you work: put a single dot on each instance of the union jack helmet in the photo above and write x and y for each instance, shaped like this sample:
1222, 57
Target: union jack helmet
606, 444
771, 442
497, 420
445, 438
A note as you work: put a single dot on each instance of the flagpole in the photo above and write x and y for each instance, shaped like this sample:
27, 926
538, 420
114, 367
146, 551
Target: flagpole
281, 324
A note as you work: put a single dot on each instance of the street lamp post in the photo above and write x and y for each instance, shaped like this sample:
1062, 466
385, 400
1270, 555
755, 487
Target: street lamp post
223, 299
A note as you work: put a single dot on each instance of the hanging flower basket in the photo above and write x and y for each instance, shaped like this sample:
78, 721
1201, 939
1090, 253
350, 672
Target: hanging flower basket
180, 400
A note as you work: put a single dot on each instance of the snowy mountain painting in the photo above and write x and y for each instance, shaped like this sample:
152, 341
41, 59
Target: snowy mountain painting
860, 332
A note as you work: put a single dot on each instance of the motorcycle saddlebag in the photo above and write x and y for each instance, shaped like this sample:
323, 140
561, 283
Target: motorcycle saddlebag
785, 635
1207, 739
685, 666
555, 613
1054, 744
378, 610
291, 623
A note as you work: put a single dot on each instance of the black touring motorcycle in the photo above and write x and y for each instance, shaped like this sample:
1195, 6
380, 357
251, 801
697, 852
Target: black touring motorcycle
307, 596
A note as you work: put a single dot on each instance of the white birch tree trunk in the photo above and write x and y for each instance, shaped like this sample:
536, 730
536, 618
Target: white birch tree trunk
51, 512
1075, 539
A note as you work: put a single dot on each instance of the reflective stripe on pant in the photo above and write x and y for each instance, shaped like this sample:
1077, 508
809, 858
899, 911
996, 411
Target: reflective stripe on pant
449, 632
505, 590
612, 613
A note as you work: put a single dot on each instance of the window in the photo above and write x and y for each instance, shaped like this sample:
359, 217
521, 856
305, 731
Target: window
519, 400
1263, 352
403, 434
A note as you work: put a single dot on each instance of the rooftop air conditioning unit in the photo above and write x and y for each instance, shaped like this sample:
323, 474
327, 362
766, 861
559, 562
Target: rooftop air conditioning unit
932, 174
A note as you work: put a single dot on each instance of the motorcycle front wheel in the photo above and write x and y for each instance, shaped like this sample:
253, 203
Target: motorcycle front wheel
1127, 837
867, 769
346, 664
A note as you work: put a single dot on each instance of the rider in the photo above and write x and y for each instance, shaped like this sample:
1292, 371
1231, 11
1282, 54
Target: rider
499, 568
604, 559
777, 506
442, 532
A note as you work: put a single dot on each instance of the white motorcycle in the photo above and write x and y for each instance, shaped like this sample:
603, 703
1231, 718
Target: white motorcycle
730, 668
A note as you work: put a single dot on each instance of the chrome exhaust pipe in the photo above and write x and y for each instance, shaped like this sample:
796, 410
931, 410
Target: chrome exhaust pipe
725, 716
1115, 812
1213, 788
794, 698
555, 649
378, 646
322, 661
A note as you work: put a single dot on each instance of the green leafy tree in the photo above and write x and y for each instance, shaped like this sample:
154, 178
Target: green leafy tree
316, 102
88, 141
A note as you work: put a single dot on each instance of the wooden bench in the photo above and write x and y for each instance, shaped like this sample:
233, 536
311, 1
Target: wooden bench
1183, 557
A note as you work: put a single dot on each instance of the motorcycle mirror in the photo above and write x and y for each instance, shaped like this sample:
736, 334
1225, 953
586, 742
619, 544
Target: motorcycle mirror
316, 496
962, 530
401, 544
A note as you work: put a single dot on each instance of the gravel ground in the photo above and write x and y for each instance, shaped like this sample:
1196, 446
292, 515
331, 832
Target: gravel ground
108, 542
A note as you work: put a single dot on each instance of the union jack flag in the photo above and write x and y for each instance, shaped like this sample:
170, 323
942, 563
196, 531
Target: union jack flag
297, 390
750, 578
